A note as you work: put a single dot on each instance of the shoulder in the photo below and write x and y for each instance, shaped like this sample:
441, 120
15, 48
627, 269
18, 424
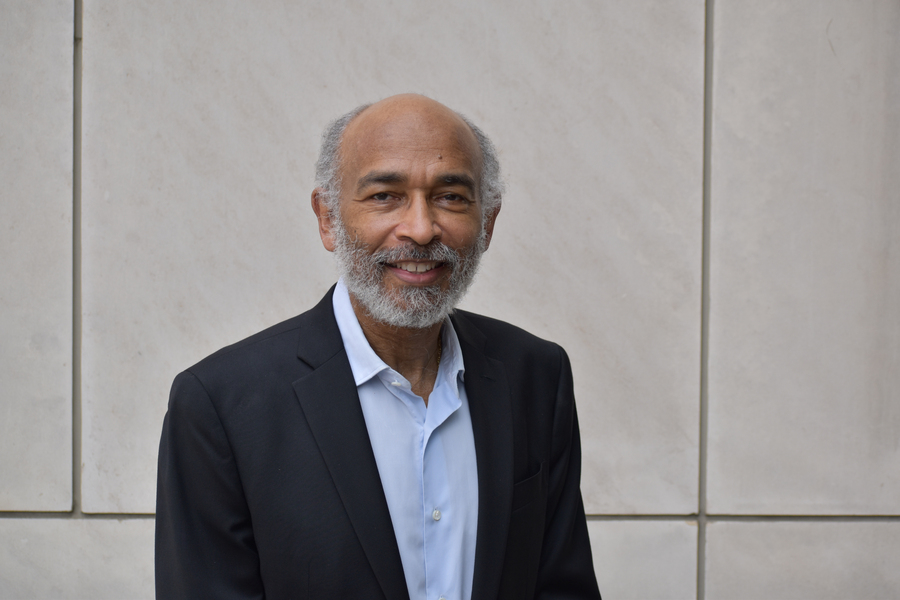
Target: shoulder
277, 339
283, 353
504, 341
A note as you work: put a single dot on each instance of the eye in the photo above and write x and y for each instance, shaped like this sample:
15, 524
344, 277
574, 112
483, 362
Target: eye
381, 197
453, 198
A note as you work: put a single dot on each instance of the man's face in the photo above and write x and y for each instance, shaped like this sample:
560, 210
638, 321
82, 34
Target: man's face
409, 232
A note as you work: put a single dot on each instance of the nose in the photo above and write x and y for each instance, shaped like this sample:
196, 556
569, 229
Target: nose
417, 223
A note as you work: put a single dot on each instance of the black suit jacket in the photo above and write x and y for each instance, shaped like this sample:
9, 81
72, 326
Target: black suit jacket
268, 487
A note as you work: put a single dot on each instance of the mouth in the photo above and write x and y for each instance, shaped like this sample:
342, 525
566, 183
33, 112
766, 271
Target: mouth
415, 266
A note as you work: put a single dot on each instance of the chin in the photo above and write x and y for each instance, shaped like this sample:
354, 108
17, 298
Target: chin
415, 308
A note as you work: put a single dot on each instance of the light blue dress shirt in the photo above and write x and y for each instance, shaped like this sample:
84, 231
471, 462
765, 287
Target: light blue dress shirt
425, 458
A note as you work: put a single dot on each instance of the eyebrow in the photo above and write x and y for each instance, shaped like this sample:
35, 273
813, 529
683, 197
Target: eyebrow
379, 177
392, 177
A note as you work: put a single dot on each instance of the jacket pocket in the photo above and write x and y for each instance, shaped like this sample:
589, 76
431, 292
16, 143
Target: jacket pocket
526, 536
530, 489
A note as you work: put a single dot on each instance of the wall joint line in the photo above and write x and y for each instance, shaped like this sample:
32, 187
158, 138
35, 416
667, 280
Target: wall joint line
702, 520
76, 266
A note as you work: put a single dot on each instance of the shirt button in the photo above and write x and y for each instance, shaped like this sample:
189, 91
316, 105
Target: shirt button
396, 383
436, 515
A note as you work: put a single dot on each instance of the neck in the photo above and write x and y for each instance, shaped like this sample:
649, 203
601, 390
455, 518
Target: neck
411, 352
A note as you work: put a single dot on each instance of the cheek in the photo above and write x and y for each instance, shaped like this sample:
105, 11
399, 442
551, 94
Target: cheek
362, 238
370, 232
465, 235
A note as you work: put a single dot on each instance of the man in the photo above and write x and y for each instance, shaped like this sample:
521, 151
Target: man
381, 445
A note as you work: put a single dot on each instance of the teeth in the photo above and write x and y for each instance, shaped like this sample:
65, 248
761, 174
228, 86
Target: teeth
416, 267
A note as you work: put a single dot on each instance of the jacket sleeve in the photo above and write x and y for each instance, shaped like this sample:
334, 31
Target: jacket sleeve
204, 538
566, 569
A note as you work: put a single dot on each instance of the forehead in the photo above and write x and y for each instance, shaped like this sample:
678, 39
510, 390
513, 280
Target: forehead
409, 137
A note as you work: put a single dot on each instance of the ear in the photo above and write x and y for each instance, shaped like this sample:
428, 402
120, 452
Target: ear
326, 226
489, 226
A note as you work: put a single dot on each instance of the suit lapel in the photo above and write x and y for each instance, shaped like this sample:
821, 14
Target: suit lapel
492, 428
331, 405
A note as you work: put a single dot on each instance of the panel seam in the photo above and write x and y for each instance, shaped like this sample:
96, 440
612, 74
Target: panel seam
76, 266
702, 519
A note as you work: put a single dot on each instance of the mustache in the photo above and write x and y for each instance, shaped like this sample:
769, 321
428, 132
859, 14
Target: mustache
434, 251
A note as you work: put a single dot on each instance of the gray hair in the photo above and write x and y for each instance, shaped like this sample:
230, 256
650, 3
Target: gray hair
328, 165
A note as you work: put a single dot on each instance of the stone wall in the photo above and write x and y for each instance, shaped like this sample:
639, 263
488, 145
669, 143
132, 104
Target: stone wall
702, 208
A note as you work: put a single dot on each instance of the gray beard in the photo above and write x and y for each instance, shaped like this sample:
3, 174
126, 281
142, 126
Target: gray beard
416, 307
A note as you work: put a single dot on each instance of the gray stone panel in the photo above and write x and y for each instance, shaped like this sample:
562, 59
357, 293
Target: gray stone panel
804, 372
638, 560
100, 559
201, 126
36, 100
786, 561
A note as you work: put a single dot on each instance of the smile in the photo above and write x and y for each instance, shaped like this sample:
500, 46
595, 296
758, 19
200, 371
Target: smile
416, 267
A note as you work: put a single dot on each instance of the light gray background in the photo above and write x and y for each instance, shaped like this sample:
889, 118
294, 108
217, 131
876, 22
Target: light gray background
702, 207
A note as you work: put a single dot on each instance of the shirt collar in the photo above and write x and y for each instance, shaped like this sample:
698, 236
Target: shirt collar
365, 364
